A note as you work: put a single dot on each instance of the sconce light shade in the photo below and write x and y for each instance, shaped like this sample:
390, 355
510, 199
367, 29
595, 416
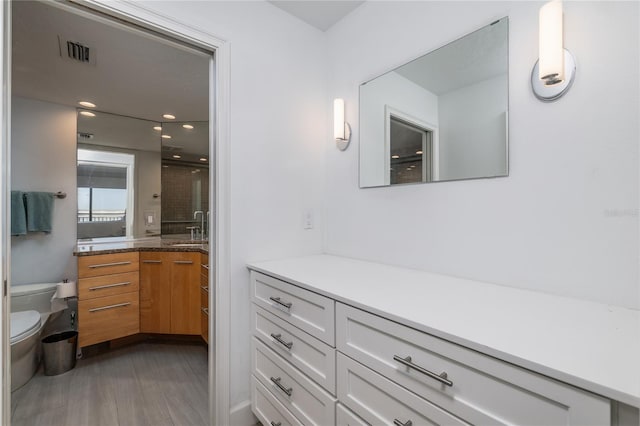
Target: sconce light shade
550, 44
341, 129
553, 74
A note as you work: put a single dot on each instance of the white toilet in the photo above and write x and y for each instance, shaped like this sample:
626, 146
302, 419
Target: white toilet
30, 311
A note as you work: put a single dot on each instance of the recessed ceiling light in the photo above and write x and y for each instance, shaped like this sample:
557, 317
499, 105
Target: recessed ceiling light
176, 156
395, 156
158, 128
165, 166
419, 152
203, 159
409, 168
187, 126
87, 104
169, 116
166, 136
87, 113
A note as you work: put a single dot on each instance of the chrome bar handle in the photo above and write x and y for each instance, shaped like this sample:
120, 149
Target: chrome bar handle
399, 423
100, 287
152, 261
205, 288
278, 338
205, 311
280, 302
104, 265
288, 391
205, 266
183, 262
276, 424
102, 308
442, 377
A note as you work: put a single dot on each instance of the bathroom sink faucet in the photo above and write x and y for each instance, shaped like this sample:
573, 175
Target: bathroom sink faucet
195, 216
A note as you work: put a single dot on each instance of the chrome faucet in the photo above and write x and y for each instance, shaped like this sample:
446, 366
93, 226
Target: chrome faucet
195, 216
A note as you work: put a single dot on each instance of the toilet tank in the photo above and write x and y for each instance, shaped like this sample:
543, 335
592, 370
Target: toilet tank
32, 297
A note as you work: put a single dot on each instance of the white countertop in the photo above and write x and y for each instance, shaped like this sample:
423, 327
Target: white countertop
589, 345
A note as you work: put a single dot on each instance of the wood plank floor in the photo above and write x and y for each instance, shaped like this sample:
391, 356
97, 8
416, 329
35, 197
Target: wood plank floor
143, 384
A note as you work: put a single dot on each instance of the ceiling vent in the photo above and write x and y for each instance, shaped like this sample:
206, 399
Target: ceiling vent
75, 51
85, 136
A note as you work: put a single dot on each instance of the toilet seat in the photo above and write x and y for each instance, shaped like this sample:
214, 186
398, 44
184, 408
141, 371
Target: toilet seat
24, 324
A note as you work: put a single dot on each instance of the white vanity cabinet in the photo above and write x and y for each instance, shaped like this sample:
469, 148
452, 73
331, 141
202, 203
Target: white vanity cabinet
322, 355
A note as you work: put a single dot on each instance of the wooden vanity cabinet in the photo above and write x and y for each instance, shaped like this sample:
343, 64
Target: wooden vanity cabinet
204, 297
107, 297
170, 292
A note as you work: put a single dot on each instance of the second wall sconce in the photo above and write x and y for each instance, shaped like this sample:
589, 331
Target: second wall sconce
341, 129
553, 74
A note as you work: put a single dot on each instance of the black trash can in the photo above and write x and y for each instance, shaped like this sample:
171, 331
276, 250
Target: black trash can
59, 352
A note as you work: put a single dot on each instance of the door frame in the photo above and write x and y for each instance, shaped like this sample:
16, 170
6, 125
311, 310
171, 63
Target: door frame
219, 324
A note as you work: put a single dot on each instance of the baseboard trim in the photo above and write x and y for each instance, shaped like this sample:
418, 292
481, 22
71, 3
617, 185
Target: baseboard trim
241, 415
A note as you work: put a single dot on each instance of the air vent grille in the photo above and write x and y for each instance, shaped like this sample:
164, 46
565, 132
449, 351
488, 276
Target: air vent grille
78, 51
75, 51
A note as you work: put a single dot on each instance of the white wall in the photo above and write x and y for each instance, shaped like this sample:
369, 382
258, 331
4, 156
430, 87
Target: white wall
473, 130
278, 131
43, 158
399, 93
566, 219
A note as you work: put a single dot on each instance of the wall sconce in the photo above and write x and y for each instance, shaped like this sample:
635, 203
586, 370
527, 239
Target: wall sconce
555, 70
341, 129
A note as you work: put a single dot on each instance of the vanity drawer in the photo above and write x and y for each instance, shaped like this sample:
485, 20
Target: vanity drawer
380, 401
204, 266
482, 389
108, 285
106, 264
268, 409
346, 417
306, 400
107, 318
313, 357
306, 310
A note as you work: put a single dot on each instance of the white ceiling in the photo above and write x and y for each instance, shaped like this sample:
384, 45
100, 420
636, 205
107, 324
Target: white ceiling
135, 75
320, 14
476, 57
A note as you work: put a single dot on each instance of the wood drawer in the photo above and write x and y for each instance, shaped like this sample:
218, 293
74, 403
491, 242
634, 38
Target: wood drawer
204, 265
346, 417
380, 401
204, 324
108, 285
306, 310
106, 264
268, 409
311, 404
107, 318
313, 357
484, 390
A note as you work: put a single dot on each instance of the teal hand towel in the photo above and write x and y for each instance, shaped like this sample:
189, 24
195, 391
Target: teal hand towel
18, 214
39, 211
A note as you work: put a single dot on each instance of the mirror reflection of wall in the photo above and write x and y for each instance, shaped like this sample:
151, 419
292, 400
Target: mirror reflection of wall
118, 176
185, 178
440, 117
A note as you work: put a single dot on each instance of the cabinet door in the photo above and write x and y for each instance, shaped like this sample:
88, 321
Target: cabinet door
185, 293
155, 292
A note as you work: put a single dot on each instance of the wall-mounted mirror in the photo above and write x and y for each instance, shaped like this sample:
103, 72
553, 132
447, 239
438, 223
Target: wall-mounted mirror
440, 117
185, 179
118, 176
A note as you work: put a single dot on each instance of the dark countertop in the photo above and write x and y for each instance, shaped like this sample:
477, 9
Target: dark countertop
146, 244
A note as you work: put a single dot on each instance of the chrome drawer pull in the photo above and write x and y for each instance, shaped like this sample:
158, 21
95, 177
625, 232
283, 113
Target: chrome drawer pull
104, 265
288, 391
399, 423
102, 308
205, 288
100, 287
280, 302
442, 377
152, 261
205, 311
183, 262
276, 424
204, 266
278, 338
